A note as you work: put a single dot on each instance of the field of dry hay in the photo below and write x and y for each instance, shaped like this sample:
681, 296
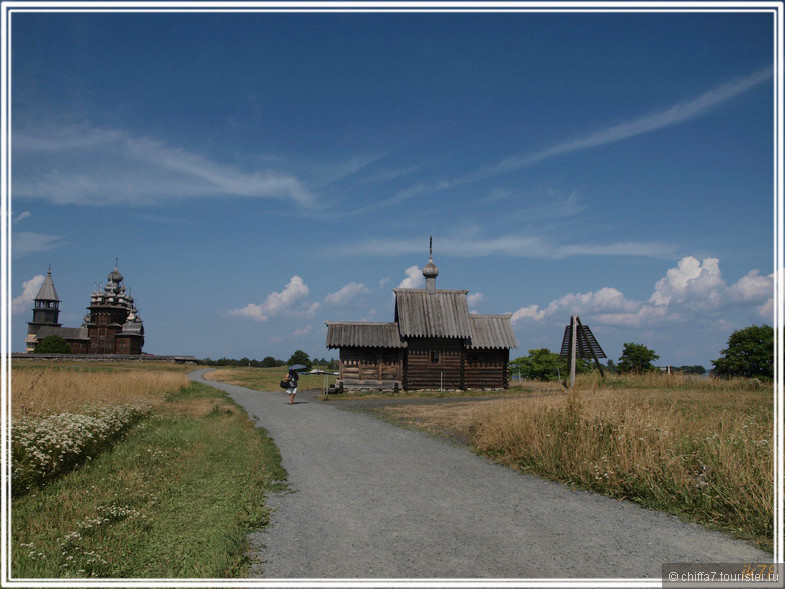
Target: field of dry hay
39, 389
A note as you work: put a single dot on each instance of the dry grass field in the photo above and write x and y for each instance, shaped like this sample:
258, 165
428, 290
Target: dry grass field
39, 389
699, 448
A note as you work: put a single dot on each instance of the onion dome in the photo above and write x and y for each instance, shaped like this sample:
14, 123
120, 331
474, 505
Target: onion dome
115, 276
430, 271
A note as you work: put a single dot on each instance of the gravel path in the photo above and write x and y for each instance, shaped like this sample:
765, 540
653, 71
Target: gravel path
372, 501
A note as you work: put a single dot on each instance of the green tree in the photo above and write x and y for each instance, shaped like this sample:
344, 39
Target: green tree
269, 362
542, 364
750, 353
52, 344
636, 359
300, 357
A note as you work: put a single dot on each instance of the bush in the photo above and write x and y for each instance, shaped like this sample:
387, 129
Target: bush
52, 344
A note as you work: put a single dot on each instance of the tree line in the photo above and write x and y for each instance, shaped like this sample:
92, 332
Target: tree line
298, 357
55, 344
750, 354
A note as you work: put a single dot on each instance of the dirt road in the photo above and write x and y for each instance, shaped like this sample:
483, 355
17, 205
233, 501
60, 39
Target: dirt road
372, 501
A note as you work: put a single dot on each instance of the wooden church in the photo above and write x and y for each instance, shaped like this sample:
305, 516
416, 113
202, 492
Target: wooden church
112, 326
433, 343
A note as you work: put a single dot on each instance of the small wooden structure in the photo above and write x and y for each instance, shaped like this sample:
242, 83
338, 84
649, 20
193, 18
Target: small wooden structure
579, 342
433, 343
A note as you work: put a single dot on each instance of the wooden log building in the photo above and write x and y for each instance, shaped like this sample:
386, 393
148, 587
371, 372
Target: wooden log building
112, 326
434, 343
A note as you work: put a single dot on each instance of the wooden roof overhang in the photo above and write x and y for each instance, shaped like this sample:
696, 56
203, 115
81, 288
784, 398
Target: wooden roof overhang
491, 332
432, 313
363, 334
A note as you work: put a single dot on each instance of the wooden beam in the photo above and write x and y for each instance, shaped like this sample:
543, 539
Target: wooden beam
589, 346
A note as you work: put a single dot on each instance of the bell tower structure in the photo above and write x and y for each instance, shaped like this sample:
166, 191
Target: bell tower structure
46, 311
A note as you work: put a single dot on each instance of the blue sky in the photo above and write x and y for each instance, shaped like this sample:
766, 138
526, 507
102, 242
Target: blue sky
260, 173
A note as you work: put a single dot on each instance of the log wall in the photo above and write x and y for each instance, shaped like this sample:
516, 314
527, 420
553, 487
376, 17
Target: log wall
432, 363
487, 369
371, 365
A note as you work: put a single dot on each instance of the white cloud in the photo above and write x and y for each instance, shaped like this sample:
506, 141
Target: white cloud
287, 302
752, 287
83, 165
302, 331
414, 278
605, 300
692, 289
474, 299
30, 288
530, 312
346, 294
384, 281
690, 277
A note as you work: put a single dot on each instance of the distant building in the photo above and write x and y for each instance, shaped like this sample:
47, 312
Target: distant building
434, 342
112, 326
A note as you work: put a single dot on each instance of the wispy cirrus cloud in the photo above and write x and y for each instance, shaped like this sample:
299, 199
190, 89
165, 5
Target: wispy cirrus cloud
506, 245
26, 242
85, 165
21, 217
346, 294
678, 113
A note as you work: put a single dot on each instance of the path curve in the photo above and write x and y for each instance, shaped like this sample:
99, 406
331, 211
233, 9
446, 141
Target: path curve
371, 500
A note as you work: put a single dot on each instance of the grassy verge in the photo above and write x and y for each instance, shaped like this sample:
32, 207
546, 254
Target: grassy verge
175, 498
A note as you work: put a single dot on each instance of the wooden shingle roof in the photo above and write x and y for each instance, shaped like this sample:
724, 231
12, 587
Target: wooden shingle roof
71, 333
436, 313
363, 335
491, 331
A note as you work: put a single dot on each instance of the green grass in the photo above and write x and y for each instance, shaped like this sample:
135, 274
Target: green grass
175, 498
266, 379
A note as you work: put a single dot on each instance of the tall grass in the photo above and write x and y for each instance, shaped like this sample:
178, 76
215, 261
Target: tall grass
45, 391
703, 452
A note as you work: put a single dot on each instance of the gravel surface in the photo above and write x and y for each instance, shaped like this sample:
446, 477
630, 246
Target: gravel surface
370, 500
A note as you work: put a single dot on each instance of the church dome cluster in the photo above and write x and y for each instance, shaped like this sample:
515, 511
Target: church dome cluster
115, 294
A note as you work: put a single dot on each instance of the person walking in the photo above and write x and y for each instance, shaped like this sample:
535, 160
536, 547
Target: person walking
292, 378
